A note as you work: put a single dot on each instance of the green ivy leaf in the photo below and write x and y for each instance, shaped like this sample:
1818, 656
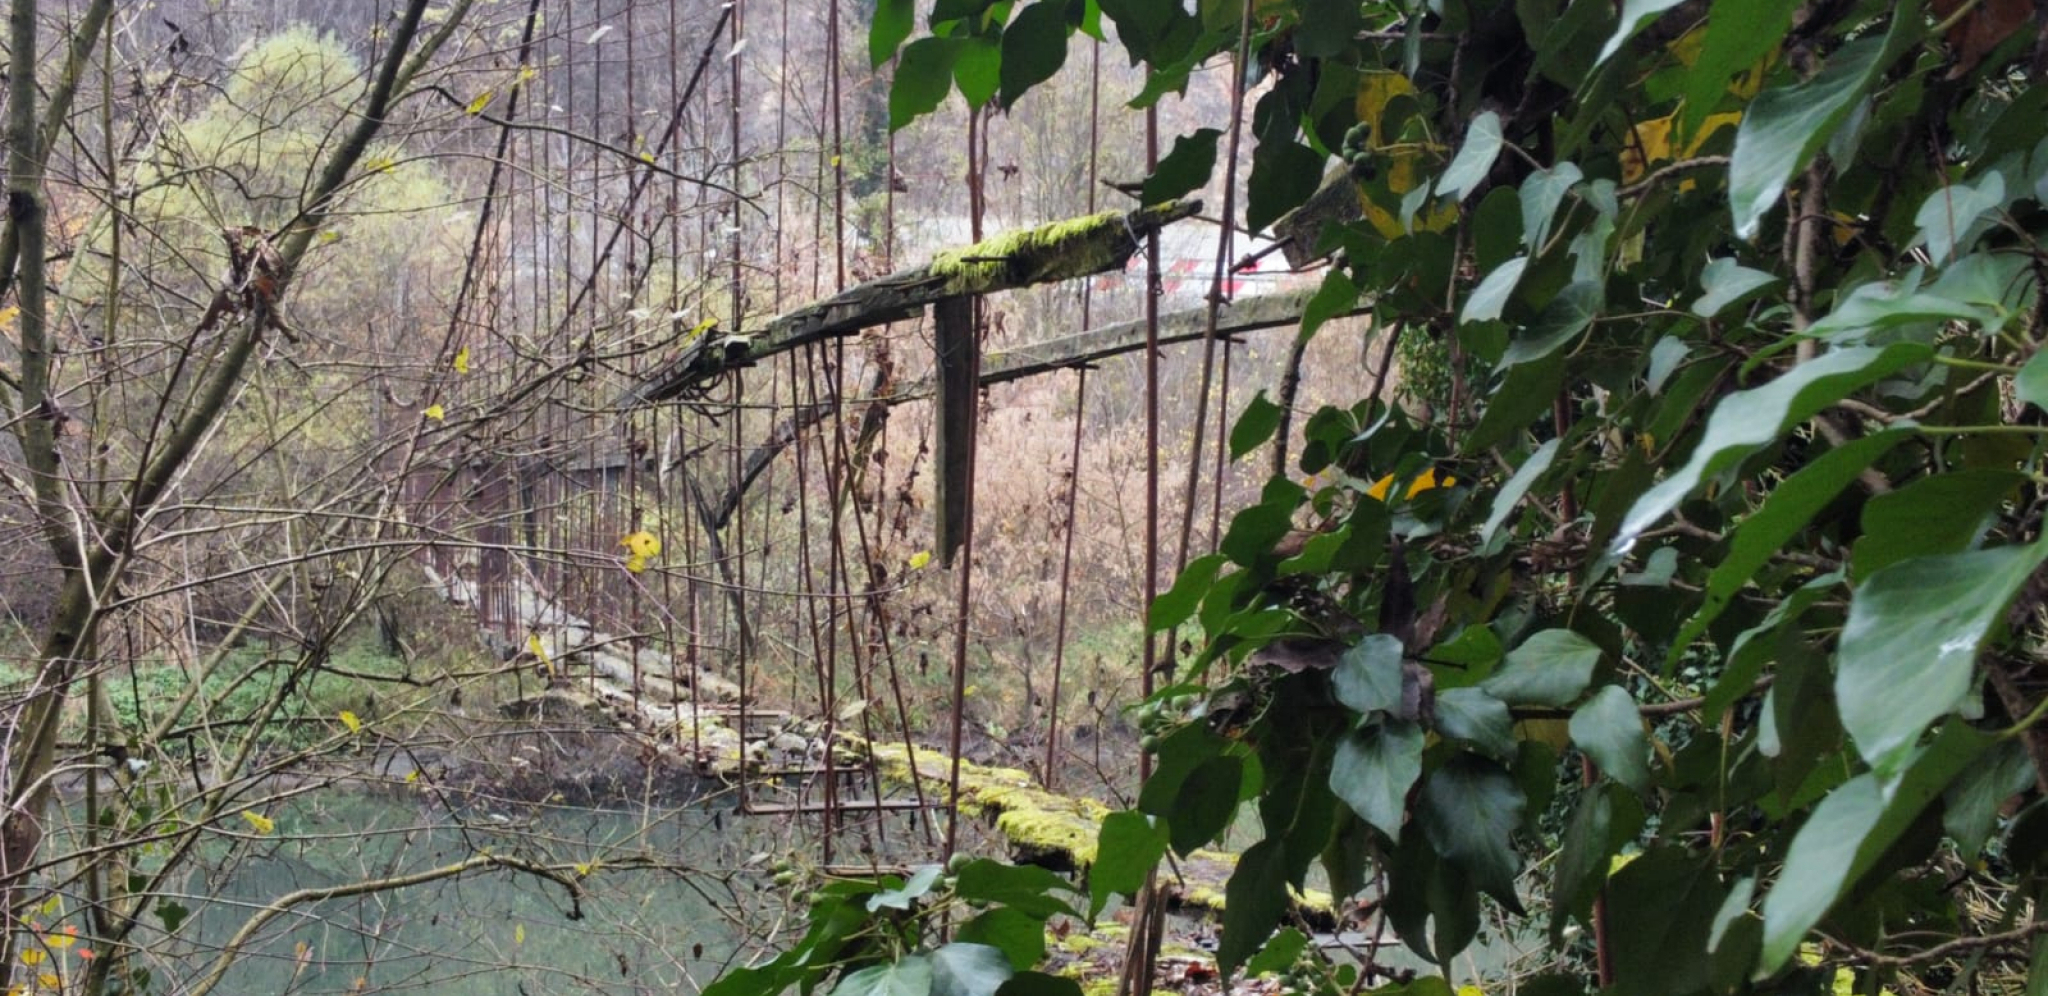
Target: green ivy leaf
912, 889
1284, 174
1279, 954
1635, 14
1254, 426
2031, 386
1725, 283
1368, 677
1970, 806
1337, 294
1551, 668
1471, 715
1177, 604
1020, 937
1205, 803
1785, 126
1789, 508
965, 969
1026, 888
1746, 420
1945, 513
1185, 169
1039, 984
1910, 643
1470, 809
1847, 833
923, 78
1541, 195
1491, 296
1254, 900
1952, 216
978, 69
1127, 848
1738, 33
1607, 817
1474, 159
911, 976
1373, 770
1518, 485
1609, 728
1564, 319
1034, 48
892, 23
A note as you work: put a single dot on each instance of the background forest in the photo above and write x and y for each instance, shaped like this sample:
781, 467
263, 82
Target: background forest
523, 495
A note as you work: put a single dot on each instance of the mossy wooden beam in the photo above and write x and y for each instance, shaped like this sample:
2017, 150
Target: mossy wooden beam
1335, 202
1060, 829
1063, 250
1248, 314
953, 370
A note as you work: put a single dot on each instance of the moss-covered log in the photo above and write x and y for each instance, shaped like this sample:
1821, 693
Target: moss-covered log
1061, 830
1063, 250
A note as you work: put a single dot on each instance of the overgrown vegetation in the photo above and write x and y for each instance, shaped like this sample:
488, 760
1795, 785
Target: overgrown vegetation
1727, 539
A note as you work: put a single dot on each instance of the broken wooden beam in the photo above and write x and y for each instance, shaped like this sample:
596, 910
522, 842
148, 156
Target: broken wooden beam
1064, 250
1250, 314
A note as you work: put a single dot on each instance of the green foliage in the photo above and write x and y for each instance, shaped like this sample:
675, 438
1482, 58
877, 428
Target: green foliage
1738, 516
240, 691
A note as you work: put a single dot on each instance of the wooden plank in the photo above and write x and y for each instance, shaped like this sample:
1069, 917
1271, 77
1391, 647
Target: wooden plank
1248, 314
847, 806
953, 425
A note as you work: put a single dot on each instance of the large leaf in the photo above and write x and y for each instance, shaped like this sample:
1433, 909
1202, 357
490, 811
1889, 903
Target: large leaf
892, 23
1205, 803
1487, 300
923, 78
1026, 888
1635, 15
1470, 809
1255, 425
1739, 32
1284, 174
1471, 715
1847, 833
966, 969
1368, 677
1034, 48
1541, 194
1020, 936
910, 976
1475, 158
1607, 817
1127, 848
1746, 420
1184, 169
1254, 900
1910, 644
1724, 282
1373, 770
1945, 513
1789, 508
1950, 217
1550, 668
1609, 728
1785, 126
1518, 485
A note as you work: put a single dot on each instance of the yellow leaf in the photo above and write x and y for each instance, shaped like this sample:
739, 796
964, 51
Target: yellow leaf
462, 360
647, 157
435, 412
349, 720
919, 559
260, 823
700, 328
9, 314
526, 73
63, 940
539, 652
412, 776
33, 957
329, 237
1424, 481
51, 906
636, 563
835, 162
49, 980
642, 544
482, 101
519, 933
